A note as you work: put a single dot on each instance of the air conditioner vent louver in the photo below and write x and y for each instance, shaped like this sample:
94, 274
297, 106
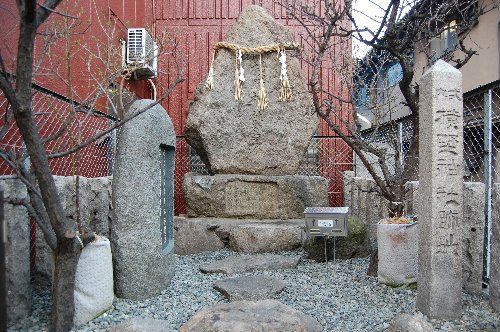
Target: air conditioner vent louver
142, 53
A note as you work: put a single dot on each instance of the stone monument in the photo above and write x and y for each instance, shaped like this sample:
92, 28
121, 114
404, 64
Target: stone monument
236, 136
142, 218
251, 123
441, 192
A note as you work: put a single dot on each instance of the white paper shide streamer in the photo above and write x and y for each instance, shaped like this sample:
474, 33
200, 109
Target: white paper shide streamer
286, 92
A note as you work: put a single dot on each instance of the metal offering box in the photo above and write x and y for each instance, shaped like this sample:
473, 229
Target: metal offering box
326, 221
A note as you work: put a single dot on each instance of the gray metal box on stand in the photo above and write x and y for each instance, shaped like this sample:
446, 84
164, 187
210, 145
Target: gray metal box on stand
326, 221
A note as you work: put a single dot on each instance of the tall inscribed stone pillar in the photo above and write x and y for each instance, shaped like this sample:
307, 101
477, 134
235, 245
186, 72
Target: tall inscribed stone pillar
441, 192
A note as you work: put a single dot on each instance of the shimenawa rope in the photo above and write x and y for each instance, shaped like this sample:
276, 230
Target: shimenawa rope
280, 49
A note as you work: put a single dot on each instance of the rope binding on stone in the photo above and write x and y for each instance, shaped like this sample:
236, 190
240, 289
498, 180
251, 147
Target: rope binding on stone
239, 77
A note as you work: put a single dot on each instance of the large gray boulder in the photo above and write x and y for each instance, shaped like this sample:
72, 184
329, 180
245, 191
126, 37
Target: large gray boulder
234, 136
239, 316
143, 265
253, 196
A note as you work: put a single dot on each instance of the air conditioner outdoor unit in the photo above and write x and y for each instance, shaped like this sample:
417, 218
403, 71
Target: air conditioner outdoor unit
142, 53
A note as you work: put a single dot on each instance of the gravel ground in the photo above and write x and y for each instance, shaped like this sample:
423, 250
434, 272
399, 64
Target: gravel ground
341, 297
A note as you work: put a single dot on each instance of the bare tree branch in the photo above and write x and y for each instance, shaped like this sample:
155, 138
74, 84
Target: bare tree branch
120, 123
400, 27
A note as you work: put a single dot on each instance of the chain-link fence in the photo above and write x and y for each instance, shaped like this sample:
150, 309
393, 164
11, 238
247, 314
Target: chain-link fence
62, 124
481, 134
54, 113
481, 150
396, 137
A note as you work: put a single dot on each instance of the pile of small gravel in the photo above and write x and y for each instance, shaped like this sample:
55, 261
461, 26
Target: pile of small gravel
341, 297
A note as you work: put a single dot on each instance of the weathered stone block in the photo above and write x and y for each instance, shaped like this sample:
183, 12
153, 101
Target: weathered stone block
364, 202
250, 263
194, 235
142, 267
265, 236
44, 259
473, 237
94, 206
347, 177
100, 204
17, 251
253, 196
233, 136
93, 202
494, 285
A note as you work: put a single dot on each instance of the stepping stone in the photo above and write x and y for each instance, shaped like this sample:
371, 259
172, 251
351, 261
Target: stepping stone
409, 323
138, 324
265, 315
241, 264
249, 288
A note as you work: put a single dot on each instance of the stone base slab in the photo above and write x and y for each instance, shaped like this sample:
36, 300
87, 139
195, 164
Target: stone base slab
253, 196
194, 235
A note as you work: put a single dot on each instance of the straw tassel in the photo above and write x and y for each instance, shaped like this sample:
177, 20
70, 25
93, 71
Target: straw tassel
262, 91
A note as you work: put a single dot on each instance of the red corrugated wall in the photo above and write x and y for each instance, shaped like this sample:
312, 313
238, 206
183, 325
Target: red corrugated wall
199, 24
99, 22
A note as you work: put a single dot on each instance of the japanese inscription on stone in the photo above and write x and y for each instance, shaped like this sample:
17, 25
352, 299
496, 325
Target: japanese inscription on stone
441, 191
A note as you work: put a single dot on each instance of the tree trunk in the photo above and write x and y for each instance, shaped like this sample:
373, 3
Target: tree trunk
410, 172
63, 303
396, 209
373, 267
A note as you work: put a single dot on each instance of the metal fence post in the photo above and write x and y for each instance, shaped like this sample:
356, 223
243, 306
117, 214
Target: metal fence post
401, 151
488, 171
